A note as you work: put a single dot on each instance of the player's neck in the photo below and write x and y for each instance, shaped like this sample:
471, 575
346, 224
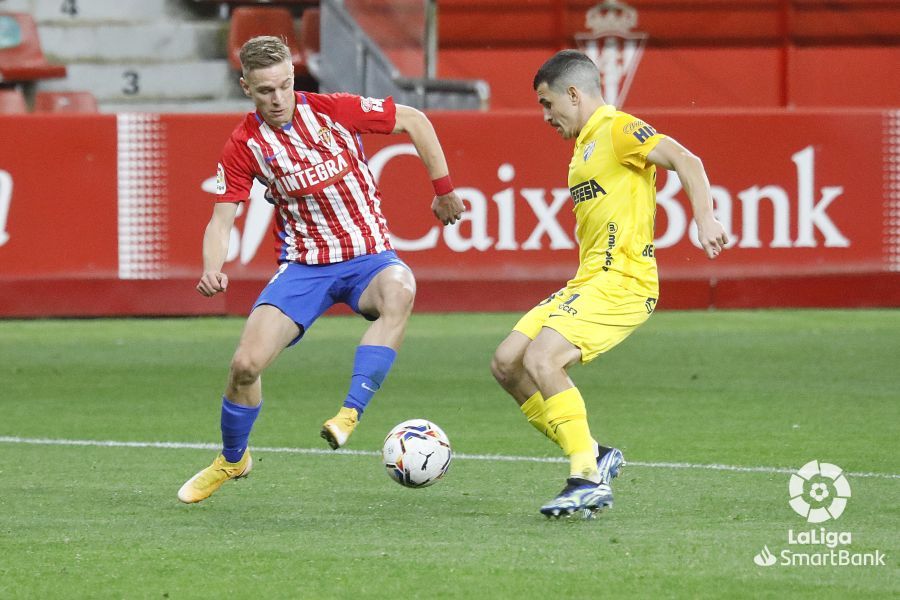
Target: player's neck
287, 119
588, 108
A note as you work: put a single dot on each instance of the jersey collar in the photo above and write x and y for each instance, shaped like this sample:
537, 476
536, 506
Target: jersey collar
607, 110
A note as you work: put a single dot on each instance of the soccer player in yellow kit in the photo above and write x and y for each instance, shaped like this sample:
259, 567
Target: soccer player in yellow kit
612, 180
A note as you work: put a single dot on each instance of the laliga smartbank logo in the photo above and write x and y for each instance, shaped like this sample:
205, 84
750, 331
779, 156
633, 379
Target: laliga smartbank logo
818, 492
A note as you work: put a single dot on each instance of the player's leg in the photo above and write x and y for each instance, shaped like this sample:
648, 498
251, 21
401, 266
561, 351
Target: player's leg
546, 360
388, 299
509, 371
594, 320
267, 332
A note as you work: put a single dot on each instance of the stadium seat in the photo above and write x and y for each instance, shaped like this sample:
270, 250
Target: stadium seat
225, 6
12, 102
251, 21
65, 102
309, 39
21, 57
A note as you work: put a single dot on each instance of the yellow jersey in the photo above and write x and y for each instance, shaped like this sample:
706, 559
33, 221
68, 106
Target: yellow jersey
614, 190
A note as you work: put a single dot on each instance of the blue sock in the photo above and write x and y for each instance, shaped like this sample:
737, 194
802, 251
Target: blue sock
370, 367
237, 421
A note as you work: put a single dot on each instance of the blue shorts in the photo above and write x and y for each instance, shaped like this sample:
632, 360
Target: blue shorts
305, 292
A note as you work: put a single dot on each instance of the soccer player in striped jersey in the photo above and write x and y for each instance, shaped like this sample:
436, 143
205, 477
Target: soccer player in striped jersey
612, 180
332, 239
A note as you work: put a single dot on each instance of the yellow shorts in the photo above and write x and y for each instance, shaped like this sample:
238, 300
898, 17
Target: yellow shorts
594, 319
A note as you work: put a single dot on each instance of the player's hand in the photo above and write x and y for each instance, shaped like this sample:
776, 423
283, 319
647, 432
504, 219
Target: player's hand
712, 237
212, 282
448, 208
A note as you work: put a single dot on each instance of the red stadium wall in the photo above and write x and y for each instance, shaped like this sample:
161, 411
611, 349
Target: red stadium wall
699, 54
114, 227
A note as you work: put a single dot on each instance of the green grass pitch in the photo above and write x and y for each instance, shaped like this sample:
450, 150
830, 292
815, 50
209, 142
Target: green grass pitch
768, 389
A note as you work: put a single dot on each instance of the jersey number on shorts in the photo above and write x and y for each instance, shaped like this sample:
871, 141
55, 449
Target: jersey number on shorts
567, 307
550, 298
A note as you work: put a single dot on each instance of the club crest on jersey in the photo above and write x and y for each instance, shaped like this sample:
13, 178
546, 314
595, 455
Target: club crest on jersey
587, 190
588, 150
370, 104
326, 137
220, 180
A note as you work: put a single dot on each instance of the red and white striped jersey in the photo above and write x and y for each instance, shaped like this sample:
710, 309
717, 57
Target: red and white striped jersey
327, 207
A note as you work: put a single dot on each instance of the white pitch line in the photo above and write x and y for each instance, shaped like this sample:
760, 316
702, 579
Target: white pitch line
320, 451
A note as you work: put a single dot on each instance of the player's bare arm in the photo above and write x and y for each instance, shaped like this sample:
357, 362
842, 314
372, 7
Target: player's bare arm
446, 207
215, 249
671, 155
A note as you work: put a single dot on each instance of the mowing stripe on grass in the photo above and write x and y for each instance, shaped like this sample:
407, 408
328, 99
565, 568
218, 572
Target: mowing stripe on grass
500, 457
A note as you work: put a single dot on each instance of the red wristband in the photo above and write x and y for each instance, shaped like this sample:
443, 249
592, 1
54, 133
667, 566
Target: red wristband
442, 185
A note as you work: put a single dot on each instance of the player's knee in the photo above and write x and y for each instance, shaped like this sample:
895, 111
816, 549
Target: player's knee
503, 368
399, 299
536, 364
244, 370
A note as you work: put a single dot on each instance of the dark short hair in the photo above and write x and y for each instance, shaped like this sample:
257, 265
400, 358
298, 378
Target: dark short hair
569, 67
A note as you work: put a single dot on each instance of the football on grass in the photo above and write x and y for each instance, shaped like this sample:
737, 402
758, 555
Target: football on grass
416, 453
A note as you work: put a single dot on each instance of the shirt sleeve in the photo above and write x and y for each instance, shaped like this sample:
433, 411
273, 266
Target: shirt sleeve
358, 113
633, 140
234, 174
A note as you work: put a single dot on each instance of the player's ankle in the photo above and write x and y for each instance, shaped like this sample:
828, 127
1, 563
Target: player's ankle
588, 475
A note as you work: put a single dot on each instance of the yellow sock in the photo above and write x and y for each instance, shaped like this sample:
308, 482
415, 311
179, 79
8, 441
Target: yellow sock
567, 417
534, 412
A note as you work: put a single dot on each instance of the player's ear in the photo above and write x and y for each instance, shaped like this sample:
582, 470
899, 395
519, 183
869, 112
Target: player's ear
574, 94
245, 87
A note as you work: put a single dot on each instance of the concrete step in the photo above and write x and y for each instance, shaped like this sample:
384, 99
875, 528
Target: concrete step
135, 82
150, 42
47, 11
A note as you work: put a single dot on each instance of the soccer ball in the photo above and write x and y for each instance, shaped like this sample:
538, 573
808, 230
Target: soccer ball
416, 453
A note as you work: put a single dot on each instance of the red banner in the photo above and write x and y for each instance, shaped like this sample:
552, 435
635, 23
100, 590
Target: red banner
802, 194
58, 215
798, 193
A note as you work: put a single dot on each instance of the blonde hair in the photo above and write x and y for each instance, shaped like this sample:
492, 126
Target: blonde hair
263, 51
